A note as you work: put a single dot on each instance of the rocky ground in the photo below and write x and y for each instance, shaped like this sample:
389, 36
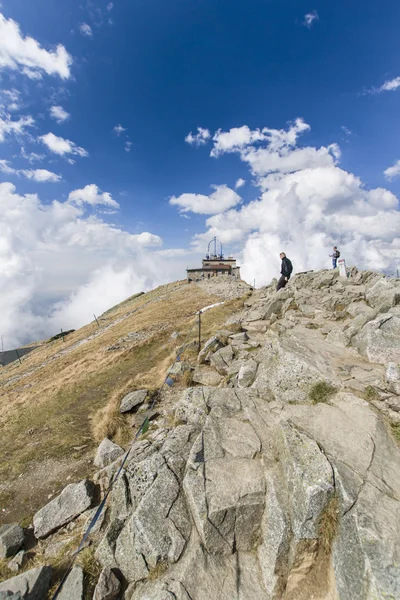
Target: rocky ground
274, 475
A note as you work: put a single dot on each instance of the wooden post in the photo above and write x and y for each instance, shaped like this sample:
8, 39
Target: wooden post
96, 320
62, 333
18, 357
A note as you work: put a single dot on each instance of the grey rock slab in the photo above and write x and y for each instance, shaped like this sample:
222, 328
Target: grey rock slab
10, 596
222, 359
242, 336
107, 453
379, 340
310, 480
205, 375
108, 586
192, 407
73, 585
73, 500
31, 585
247, 373
11, 539
133, 400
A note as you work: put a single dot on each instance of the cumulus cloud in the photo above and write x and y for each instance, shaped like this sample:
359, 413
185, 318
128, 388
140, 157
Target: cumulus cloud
307, 204
25, 54
201, 137
61, 146
110, 6
16, 127
59, 114
128, 146
310, 18
58, 266
392, 172
92, 196
31, 156
239, 183
220, 200
390, 85
85, 30
118, 129
39, 175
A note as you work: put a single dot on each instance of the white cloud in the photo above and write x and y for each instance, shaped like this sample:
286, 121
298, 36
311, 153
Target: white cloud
220, 200
201, 137
11, 100
26, 54
31, 156
118, 129
128, 146
91, 195
39, 175
59, 114
16, 127
239, 138
310, 18
392, 172
61, 146
390, 86
85, 29
110, 6
239, 183
307, 204
101, 266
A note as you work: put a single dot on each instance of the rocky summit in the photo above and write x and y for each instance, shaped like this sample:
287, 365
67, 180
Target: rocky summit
270, 471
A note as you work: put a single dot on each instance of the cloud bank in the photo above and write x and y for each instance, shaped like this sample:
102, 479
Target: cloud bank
306, 204
58, 265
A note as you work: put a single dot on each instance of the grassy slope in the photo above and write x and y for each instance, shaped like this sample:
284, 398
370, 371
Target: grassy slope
57, 405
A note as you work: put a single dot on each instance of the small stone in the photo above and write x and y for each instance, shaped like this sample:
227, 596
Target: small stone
132, 400
247, 373
108, 586
11, 539
243, 337
107, 453
16, 563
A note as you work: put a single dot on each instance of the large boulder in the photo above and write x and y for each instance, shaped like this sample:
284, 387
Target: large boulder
205, 375
72, 588
247, 373
32, 585
73, 500
107, 453
222, 359
379, 340
132, 401
11, 539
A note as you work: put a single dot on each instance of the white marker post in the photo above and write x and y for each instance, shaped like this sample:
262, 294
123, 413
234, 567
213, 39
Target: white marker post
342, 267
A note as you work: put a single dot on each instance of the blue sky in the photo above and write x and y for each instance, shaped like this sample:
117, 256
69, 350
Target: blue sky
160, 70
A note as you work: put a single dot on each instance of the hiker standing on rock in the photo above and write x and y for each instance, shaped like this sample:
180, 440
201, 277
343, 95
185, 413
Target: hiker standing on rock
286, 271
335, 256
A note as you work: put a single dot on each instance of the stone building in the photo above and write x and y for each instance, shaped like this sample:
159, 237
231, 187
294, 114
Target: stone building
214, 264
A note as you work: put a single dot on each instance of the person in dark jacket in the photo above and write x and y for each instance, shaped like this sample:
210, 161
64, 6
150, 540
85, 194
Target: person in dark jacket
286, 271
335, 256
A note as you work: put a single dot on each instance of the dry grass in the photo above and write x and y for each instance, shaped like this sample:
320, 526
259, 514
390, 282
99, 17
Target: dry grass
395, 427
328, 526
65, 395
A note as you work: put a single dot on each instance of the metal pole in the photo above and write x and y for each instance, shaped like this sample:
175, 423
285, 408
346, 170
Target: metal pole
199, 330
62, 333
18, 357
397, 271
96, 320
